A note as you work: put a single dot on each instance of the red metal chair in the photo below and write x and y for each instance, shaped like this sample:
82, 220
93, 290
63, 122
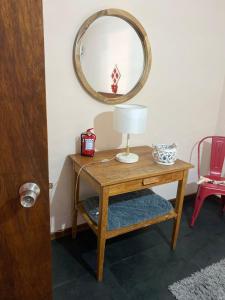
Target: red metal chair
216, 165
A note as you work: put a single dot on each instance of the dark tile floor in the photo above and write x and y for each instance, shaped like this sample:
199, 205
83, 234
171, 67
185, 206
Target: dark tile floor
138, 265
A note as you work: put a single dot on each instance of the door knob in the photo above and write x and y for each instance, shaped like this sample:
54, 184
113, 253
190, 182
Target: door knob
29, 193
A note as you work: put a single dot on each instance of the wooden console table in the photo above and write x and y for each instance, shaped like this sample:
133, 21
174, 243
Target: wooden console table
113, 178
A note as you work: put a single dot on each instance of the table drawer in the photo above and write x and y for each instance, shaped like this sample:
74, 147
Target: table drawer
162, 178
139, 184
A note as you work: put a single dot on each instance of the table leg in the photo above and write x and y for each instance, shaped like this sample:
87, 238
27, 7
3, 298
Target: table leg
178, 208
102, 227
75, 205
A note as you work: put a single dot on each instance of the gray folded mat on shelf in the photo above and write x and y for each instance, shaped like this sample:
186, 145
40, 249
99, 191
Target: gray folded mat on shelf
130, 208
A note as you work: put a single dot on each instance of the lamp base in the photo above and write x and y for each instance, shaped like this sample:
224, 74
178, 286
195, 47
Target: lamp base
127, 158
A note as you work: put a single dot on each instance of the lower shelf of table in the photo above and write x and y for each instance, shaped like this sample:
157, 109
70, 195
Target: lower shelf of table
115, 232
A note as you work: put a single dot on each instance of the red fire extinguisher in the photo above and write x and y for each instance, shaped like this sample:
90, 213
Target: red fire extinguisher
88, 143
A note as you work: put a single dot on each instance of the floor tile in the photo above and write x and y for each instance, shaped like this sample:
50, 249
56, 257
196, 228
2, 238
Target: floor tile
139, 265
87, 288
65, 267
131, 244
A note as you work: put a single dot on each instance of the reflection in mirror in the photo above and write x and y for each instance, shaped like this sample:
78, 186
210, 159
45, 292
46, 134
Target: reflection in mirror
112, 57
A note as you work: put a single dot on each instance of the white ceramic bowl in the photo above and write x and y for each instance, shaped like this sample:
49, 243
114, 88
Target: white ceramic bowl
165, 154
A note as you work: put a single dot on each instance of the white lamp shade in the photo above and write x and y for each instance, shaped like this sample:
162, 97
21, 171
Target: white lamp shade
130, 118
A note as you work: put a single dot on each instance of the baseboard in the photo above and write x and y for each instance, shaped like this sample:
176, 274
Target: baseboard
84, 226
186, 198
68, 231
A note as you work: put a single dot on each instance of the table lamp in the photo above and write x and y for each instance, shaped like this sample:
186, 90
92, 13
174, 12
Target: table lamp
129, 119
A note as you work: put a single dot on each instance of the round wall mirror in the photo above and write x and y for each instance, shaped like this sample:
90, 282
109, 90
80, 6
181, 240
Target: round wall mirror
112, 56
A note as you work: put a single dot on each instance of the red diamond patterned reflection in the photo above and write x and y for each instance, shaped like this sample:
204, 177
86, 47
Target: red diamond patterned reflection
115, 77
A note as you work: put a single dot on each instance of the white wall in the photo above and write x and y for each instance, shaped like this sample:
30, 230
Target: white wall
183, 91
220, 129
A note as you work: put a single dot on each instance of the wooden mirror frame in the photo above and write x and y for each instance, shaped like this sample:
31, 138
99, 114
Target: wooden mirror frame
146, 49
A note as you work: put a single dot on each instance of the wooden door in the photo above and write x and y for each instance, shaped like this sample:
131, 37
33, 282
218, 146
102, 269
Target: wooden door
25, 264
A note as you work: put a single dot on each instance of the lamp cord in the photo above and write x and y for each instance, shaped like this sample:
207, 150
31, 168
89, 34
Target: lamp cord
88, 164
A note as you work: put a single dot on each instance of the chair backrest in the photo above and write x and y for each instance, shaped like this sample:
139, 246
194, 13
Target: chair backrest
217, 154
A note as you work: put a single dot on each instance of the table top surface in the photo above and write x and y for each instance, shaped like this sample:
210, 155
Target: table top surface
114, 172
